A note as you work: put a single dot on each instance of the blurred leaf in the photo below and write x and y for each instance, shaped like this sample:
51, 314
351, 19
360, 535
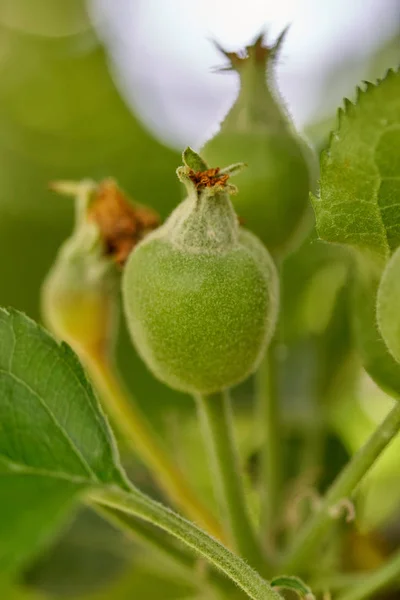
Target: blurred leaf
338, 366
13, 591
62, 117
335, 457
90, 555
54, 440
32, 509
388, 300
45, 17
141, 582
315, 323
61, 111
377, 361
363, 552
356, 205
320, 297
311, 280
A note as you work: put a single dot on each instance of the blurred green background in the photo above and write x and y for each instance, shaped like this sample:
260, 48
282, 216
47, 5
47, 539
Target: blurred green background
117, 89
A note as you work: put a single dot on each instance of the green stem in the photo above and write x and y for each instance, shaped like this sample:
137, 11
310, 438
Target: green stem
216, 419
371, 583
138, 504
145, 442
311, 536
155, 540
271, 452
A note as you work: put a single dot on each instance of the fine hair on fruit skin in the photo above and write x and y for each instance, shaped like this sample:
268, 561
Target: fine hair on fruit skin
201, 293
274, 189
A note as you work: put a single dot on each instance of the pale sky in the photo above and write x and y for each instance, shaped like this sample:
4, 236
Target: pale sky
163, 57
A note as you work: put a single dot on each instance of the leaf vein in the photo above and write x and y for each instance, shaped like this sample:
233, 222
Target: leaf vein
19, 468
58, 425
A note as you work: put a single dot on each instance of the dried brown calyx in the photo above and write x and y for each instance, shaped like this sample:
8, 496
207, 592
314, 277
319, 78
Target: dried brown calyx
197, 175
208, 178
122, 224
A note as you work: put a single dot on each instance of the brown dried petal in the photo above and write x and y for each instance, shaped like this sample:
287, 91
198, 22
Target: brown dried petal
209, 178
122, 224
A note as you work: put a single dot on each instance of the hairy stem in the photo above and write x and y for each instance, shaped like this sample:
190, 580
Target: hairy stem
216, 419
164, 546
145, 442
373, 582
314, 532
140, 505
271, 453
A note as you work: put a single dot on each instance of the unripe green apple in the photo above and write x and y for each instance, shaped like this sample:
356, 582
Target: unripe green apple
201, 293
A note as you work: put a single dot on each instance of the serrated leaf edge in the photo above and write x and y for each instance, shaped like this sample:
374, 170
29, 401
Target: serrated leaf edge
79, 373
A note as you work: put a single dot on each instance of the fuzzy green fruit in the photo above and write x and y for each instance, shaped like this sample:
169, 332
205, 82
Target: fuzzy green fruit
273, 199
80, 293
201, 294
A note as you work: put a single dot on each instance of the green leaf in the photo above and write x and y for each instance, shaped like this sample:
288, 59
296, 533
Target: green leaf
360, 184
32, 509
358, 206
52, 428
376, 359
320, 297
295, 584
54, 440
388, 303
312, 279
57, 424
193, 160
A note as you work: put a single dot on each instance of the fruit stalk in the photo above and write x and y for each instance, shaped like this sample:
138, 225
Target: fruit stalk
140, 505
181, 558
145, 442
216, 418
271, 452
